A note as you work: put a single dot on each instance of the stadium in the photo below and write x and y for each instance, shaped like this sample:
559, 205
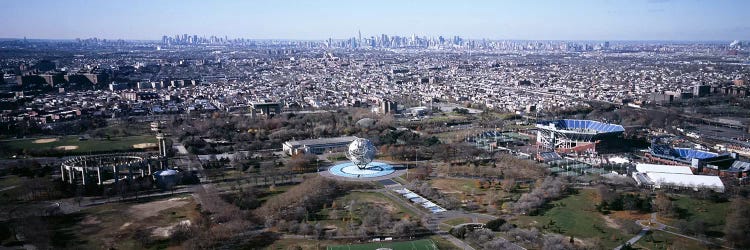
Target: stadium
725, 165
575, 136
105, 169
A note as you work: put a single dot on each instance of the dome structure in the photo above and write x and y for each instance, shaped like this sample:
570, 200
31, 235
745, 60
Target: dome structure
366, 122
166, 178
361, 152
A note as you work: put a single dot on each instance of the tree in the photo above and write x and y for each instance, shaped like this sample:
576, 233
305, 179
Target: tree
557, 242
404, 228
604, 194
495, 224
508, 184
737, 227
461, 111
303, 162
498, 243
664, 205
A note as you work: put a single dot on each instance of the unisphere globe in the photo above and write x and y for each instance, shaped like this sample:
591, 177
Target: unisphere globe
361, 152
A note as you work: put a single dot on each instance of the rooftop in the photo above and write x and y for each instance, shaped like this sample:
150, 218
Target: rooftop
583, 126
319, 141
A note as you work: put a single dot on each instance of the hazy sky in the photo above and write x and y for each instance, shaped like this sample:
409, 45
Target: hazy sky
321, 19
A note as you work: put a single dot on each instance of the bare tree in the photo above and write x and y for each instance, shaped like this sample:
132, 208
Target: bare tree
664, 205
737, 227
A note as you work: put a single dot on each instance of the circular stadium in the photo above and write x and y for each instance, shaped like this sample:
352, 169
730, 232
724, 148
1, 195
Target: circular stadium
575, 136
103, 169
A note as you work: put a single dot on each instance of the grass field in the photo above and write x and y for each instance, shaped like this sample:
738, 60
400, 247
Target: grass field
468, 190
457, 221
370, 197
115, 226
658, 240
86, 146
576, 216
457, 136
9, 181
424, 244
712, 213
453, 185
11, 187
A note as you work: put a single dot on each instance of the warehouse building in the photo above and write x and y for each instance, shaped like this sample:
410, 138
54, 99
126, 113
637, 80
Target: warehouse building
674, 177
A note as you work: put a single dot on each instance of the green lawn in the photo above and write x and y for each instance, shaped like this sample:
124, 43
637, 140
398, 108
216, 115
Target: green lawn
712, 213
115, 144
11, 188
10, 180
424, 244
443, 244
576, 216
373, 197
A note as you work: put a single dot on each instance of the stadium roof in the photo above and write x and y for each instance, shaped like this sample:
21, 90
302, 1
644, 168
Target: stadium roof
692, 153
585, 126
739, 166
680, 154
669, 169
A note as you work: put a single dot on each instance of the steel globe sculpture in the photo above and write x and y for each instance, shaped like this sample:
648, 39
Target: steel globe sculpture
361, 152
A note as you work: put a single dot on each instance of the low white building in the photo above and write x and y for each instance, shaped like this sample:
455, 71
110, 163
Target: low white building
675, 177
317, 146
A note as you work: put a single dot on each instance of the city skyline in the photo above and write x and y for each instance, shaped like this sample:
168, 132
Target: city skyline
507, 20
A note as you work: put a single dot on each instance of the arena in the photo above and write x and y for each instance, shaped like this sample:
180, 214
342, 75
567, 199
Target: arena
104, 169
575, 136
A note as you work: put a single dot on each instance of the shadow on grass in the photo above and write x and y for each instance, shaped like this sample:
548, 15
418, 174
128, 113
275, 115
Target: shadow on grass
682, 213
715, 234
63, 229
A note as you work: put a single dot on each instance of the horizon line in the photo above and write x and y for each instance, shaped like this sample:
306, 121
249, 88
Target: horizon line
325, 39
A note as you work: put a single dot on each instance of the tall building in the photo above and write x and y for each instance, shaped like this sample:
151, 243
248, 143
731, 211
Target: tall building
387, 106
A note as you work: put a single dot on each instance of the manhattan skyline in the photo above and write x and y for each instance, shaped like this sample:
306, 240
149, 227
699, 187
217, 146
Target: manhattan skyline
299, 20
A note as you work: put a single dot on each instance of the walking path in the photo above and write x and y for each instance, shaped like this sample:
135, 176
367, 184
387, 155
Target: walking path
653, 224
433, 220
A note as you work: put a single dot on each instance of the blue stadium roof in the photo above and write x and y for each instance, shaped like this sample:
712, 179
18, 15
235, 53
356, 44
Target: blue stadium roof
584, 126
679, 154
694, 154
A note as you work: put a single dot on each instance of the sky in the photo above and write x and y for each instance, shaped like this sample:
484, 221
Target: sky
339, 19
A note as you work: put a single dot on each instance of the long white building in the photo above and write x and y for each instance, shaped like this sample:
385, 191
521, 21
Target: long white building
675, 177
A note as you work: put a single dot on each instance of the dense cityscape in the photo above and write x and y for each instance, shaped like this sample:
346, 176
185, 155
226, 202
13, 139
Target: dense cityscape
365, 140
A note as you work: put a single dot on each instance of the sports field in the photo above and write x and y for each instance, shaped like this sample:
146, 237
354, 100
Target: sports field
425, 244
72, 144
